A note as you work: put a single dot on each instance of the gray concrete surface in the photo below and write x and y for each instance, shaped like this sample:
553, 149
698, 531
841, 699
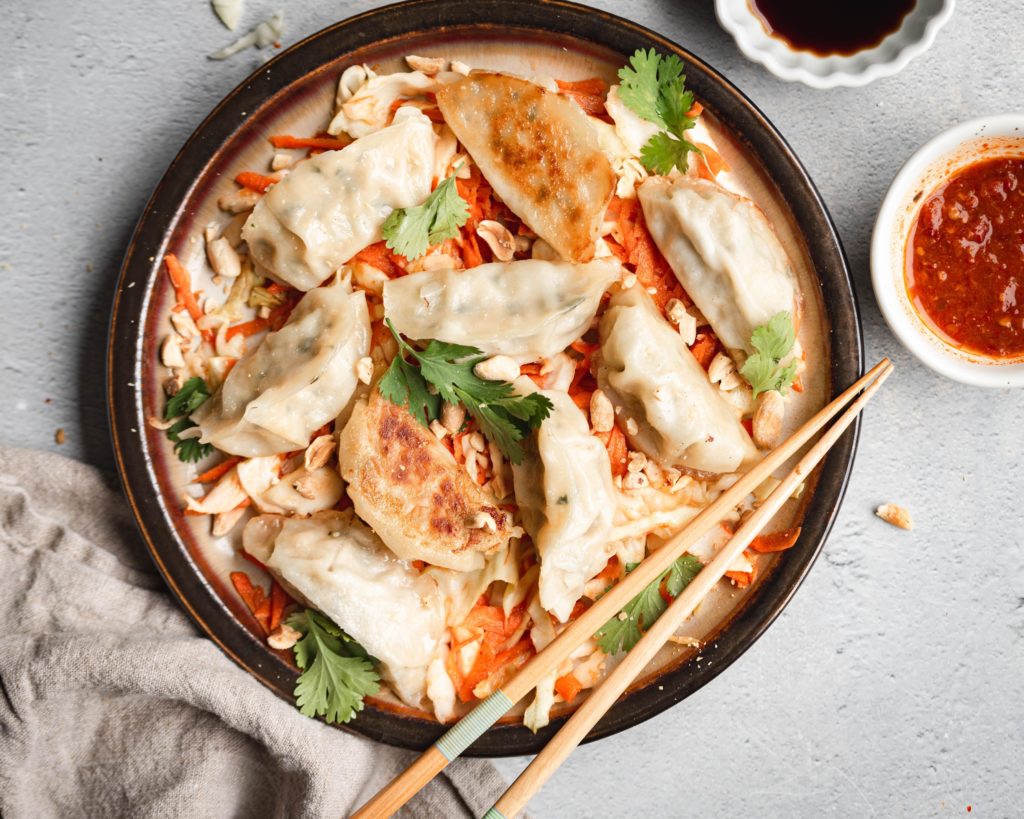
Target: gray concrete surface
891, 686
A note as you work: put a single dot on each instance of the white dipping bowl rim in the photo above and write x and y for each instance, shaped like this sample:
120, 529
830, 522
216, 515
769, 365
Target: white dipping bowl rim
914, 37
924, 172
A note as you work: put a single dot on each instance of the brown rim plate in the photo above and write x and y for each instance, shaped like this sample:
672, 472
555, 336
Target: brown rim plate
172, 212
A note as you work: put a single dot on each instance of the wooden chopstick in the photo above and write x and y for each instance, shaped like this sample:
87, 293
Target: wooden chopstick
611, 688
461, 735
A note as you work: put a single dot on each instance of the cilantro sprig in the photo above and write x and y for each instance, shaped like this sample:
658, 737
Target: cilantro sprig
337, 673
621, 633
183, 403
410, 231
773, 341
654, 88
504, 416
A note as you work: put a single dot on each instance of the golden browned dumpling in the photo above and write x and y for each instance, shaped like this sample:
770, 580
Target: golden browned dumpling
540, 154
406, 485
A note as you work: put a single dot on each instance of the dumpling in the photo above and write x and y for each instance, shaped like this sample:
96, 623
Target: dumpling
526, 308
725, 254
295, 381
539, 153
340, 567
567, 502
333, 205
409, 488
647, 370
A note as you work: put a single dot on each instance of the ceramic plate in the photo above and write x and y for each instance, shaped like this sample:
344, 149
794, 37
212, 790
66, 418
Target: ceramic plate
292, 94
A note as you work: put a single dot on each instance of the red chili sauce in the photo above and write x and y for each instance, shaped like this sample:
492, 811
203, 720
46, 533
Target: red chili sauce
965, 259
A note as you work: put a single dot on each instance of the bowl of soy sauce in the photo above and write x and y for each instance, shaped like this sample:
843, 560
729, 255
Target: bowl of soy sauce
838, 43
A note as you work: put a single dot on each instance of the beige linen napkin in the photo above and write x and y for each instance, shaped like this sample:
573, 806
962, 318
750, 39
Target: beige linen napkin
112, 704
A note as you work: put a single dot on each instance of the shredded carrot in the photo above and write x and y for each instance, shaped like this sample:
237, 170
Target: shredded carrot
254, 597
615, 442
279, 601
652, 271
581, 398
705, 347
182, 283
471, 251
492, 629
279, 315
776, 541
217, 472
319, 143
748, 425
716, 164
695, 110
577, 610
741, 579
798, 384
382, 257
255, 181
247, 328
568, 687
611, 571
593, 85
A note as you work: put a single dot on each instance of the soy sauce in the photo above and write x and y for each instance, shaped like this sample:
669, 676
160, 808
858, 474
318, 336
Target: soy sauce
834, 26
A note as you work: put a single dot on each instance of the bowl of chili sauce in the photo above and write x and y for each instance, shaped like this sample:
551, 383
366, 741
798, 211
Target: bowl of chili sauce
947, 254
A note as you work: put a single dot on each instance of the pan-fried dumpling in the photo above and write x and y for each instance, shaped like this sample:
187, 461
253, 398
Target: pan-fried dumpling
409, 488
341, 567
539, 153
527, 308
648, 371
333, 205
724, 252
295, 381
567, 502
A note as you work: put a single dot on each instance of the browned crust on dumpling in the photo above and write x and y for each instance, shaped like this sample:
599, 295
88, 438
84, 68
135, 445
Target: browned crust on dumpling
409, 488
539, 153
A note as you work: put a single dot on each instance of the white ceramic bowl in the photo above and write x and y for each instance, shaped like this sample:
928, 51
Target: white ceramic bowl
988, 137
914, 37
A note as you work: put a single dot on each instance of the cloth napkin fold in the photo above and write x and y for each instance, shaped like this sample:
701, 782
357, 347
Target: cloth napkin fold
112, 703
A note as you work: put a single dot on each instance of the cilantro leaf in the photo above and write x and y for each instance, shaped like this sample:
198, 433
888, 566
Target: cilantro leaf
661, 153
773, 341
184, 402
654, 88
404, 385
624, 631
639, 89
504, 416
410, 231
188, 399
336, 671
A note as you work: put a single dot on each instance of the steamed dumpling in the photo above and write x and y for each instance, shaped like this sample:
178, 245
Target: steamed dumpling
648, 371
333, 205
567, 501
295, 381
341, 567
538, 151
409, 488
724, 252
529, 308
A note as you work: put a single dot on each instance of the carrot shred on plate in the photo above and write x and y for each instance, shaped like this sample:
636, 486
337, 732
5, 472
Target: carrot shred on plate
319, 143
716, 164
182, 283
251, 595
775, 541
247, 328
215, 473
255, 181
380, 256
568, 687
705, 347
279, 601
615, 442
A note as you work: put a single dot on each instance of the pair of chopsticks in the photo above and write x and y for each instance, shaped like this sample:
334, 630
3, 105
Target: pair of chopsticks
471, 726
